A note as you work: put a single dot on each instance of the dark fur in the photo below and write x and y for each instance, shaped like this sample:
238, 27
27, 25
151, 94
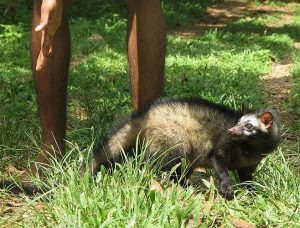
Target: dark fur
27, 188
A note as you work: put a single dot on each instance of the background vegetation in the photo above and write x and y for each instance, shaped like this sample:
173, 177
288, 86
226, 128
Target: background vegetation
223, 65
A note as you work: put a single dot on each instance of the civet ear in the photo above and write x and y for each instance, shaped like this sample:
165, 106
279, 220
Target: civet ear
245, 108
267, 119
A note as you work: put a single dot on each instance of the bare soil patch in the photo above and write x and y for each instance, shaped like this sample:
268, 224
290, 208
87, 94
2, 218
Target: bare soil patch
277, 87
224, 12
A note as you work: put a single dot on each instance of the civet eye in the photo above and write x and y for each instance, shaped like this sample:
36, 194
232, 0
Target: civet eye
248, 126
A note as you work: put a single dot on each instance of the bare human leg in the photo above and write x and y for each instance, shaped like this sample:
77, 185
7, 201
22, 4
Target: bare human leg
146, 50
51, 84
146, 53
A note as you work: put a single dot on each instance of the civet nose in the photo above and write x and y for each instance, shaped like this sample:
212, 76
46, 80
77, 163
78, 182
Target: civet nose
231, 131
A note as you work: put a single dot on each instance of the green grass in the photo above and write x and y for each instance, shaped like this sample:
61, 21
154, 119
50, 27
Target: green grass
223, 66
125, 198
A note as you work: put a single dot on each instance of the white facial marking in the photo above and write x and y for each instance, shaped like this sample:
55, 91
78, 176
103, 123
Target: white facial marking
256, 123
250, 118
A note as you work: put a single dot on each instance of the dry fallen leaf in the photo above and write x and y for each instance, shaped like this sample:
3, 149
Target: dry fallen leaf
14, 171
155, 186
40, 206
239, 223
192, 223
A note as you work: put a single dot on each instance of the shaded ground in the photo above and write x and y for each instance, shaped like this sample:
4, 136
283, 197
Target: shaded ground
228, 11
277, 88
232, 10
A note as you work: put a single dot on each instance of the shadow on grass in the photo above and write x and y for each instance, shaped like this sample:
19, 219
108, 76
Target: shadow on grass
219, 41
250, 27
